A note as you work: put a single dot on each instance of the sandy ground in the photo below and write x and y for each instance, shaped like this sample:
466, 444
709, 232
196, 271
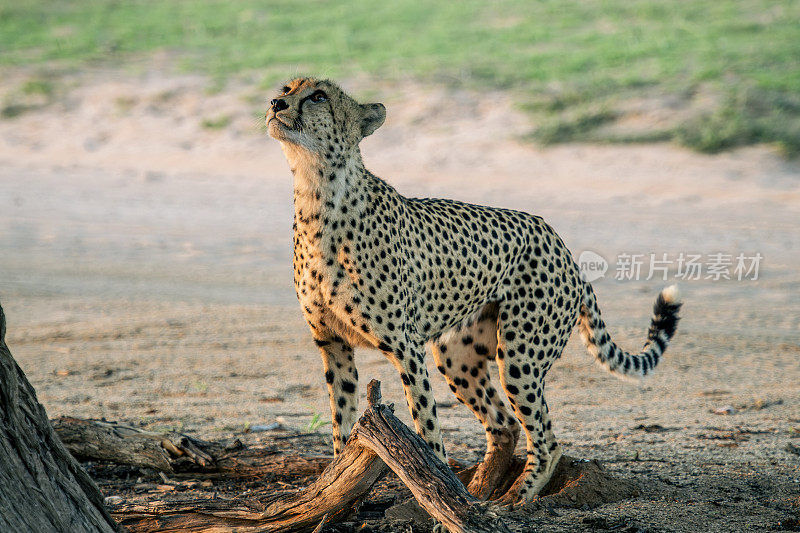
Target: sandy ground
145, 273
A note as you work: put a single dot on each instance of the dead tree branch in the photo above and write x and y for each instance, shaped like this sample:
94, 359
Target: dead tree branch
176, 453
378, 439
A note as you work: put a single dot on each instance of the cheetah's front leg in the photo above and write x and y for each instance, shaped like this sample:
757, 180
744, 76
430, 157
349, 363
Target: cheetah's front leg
419, 396
342, 379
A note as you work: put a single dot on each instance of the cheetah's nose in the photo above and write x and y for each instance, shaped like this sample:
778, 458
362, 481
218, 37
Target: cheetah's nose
279, 105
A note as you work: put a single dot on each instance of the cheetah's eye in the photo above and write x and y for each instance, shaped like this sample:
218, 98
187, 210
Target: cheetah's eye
285, 90
318, 97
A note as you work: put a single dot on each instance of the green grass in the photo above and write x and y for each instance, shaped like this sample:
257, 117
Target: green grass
557, 56
35, 93
579, 126
317, 421
39, 87
217, 123
747, 117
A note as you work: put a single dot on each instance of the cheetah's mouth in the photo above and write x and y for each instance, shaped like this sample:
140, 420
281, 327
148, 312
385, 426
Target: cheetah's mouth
281, 122
288, 129
281, 128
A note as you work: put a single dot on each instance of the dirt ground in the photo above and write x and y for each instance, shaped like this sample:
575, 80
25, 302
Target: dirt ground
145, 273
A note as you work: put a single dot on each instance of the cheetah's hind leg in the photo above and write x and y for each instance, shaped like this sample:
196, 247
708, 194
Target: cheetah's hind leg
463, 359
524, 355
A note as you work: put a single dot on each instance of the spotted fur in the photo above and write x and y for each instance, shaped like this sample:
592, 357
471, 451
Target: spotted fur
375, 269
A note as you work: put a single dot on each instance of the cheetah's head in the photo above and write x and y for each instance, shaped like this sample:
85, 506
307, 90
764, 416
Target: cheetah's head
320, 117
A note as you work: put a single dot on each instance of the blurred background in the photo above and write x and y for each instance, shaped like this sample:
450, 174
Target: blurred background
145, 216
710, 75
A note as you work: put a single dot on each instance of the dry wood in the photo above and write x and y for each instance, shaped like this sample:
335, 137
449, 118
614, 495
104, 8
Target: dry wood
433, 484
378, 439
101, 440
42, 487
175, 452
342, 485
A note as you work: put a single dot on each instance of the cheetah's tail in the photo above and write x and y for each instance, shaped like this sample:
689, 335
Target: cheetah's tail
618, 361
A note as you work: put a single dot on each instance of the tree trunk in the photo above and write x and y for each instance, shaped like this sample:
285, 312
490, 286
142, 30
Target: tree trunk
42, 488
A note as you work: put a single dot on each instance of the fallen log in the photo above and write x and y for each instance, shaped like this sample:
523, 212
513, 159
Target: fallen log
177, 453
110, 441
340, 487
377, 440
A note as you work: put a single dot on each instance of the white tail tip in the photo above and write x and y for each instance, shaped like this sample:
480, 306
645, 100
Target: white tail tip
671, 295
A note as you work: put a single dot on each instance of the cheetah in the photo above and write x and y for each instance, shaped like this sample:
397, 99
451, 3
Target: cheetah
375, 269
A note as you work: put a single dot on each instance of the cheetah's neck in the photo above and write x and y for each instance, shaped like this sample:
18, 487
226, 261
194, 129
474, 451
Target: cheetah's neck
327, 190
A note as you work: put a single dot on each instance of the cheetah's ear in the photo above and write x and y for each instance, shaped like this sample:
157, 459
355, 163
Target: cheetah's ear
372, 116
